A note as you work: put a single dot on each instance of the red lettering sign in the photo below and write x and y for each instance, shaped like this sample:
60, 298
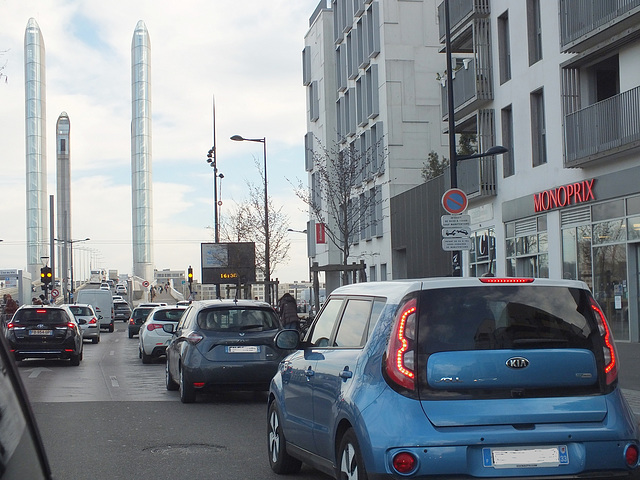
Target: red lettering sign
320, 233
564, 196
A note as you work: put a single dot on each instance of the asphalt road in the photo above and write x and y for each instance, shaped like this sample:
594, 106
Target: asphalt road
112, 417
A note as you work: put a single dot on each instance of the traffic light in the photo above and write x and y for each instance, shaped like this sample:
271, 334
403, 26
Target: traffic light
190, 274
45, 275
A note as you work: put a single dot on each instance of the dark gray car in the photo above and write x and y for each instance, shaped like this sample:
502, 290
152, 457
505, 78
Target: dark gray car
223, 345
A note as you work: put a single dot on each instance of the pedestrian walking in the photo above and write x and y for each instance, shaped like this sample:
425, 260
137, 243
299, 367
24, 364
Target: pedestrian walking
288, 310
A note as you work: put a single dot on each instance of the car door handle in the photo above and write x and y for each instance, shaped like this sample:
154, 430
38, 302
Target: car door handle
346, 373
309, 373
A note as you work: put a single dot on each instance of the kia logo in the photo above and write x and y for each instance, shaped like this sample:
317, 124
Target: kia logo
517, 362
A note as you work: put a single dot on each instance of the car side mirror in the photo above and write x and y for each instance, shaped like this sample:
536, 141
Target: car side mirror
169, 328
100, 317
287, 339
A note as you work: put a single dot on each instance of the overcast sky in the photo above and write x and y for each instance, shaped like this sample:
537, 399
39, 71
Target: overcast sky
247, 54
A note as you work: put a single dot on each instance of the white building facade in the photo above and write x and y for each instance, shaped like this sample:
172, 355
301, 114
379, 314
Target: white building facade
556, 82
370, 68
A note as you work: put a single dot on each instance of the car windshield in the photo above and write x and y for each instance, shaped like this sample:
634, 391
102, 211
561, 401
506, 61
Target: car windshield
30, 316
237, 319
172, 315
80, 311
141, 312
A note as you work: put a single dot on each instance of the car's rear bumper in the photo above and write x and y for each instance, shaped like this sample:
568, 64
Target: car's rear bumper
230, 376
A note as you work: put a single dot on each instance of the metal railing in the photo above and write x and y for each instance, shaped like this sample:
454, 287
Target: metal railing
611, 124
579, 18
460, 10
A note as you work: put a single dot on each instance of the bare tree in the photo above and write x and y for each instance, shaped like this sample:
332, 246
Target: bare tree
246, 223
341, 196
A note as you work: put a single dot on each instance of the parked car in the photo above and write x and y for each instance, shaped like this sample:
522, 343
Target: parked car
223, 345
121, 289
453, 377
88, 321
45, 331
154, 336
121, 310
138, 317
23, 454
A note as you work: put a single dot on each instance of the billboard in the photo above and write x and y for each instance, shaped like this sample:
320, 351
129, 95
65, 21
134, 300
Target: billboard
228, 262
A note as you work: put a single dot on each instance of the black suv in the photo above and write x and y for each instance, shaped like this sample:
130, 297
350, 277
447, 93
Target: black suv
45, 331
121, 310
138, 316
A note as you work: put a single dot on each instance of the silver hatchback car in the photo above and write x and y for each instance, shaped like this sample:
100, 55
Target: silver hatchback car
87, 320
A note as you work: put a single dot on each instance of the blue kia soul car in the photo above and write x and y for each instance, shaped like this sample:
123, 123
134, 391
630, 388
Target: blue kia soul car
453, 378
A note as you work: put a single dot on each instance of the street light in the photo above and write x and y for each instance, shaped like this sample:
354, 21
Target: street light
71, 242
267, 267
297, 231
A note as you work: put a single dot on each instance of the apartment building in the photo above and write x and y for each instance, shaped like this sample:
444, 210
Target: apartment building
558, 84
371, 68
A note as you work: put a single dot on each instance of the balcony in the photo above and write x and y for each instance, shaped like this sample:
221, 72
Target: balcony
603, 130
472, 87
586, 23
460, 13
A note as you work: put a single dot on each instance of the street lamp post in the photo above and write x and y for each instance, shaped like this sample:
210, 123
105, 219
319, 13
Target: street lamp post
267, 267
71, 242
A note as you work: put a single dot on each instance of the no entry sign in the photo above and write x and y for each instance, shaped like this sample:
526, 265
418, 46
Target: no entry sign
454, 201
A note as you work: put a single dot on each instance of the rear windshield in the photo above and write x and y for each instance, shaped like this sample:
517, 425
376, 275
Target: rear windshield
121, 306
141, 312
237, 319
81, 311
171, 315
47, 316
504, 317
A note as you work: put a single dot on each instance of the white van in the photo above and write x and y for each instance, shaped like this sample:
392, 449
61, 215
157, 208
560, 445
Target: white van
102, 302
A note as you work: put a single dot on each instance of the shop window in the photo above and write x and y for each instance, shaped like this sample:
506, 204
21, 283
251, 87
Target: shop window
610, 286
482, 256
527, 248
633, 228
609, 232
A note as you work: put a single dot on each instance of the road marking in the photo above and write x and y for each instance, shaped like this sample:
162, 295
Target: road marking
114, 381
37, 371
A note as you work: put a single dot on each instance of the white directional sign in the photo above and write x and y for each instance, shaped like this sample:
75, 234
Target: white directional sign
456, 243
455, 220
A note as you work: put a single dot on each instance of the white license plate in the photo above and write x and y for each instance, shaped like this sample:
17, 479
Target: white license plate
244, 349
525, 457
41, 332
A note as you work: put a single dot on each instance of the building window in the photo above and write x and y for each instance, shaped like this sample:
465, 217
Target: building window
383, 271
63, 145
308, 151
504, 48
538, 130
306, 66
372, 274
527, 248
508, 163
534, 31
482, 256
314, 103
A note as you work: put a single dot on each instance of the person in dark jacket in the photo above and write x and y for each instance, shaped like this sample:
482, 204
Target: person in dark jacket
288, 310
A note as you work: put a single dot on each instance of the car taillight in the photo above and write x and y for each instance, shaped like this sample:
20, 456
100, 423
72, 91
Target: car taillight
132, 321
153, 326
400, 362
10, 325
631, 455
194, 338
71, 325
93, 320
505, 280
608, 349
404, 463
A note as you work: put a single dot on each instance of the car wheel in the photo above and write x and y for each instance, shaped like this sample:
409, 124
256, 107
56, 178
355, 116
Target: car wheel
95, 340
350, 464
111, 327
146, 359
187, 392
74, 360
130, 334
169, 382
281, 462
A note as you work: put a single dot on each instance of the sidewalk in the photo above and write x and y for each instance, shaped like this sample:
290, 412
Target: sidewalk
629, 373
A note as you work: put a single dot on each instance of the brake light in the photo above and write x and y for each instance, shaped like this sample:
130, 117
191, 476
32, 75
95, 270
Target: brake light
93, 320
608, 350
10, 325
404, 463
41, 311
153, 326
400, 357
71, 325
198, 384
194, 338
505, 280
631, 455
132, 321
